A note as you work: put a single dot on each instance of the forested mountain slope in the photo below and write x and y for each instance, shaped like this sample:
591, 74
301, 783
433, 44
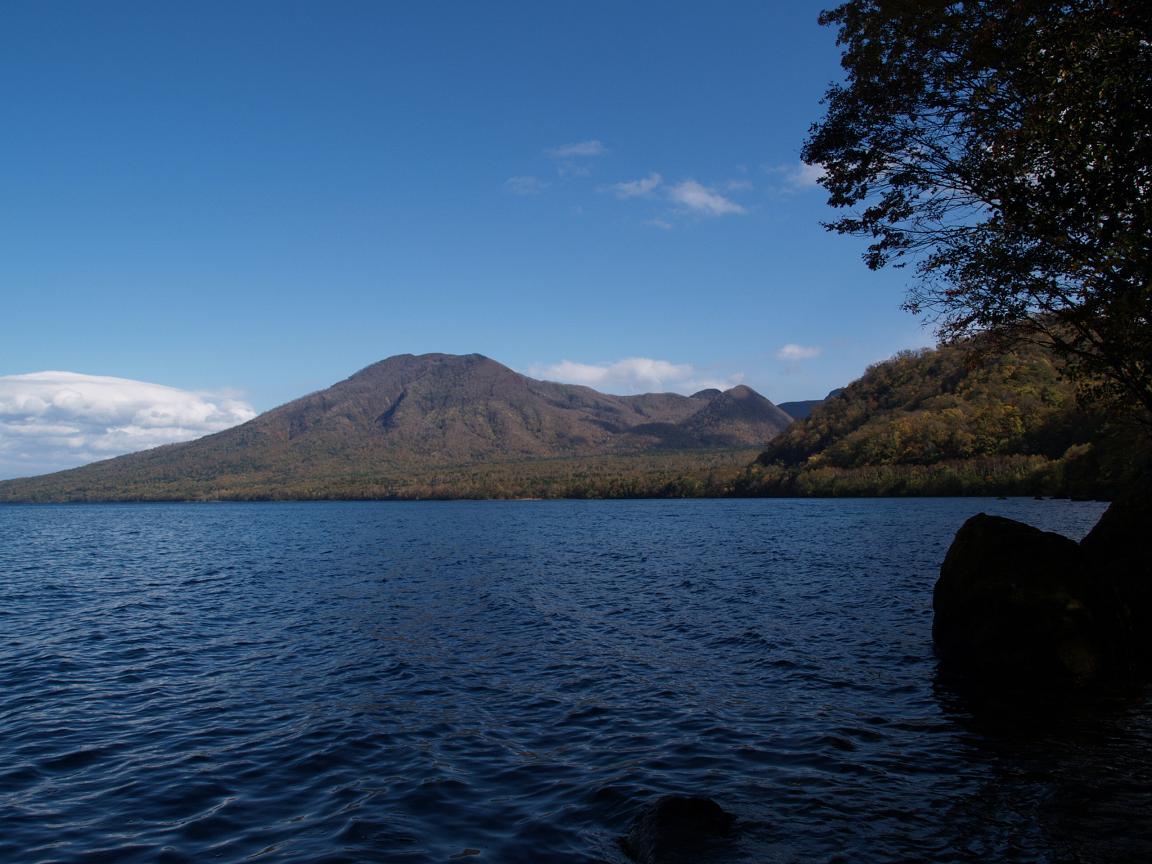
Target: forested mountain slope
950, 420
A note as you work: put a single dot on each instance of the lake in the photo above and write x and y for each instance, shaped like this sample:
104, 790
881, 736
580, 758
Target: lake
511, 681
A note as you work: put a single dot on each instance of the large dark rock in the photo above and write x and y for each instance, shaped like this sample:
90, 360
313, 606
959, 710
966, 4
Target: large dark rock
1017, 606
676, 829
1119, 552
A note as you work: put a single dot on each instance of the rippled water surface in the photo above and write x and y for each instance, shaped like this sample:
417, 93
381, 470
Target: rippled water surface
510, 681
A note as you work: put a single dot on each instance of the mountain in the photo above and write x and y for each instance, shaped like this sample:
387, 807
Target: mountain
800, 410
958, 419
408, 419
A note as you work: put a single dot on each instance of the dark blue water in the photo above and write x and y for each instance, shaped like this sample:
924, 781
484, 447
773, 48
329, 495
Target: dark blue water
511, 681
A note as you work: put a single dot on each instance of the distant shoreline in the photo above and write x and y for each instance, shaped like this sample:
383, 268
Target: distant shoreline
545, 499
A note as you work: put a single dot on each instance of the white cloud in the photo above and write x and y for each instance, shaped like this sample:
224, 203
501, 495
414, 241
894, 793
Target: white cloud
573, 159
55, 420
800, 175
578, 149
793, 352
525, 185
808, 176
633, 375
637, 188
702, 201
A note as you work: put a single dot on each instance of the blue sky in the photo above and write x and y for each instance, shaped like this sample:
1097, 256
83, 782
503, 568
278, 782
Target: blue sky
253, 200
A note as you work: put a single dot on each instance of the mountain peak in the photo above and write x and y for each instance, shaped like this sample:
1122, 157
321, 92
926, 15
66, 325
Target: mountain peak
742, 391
412, 361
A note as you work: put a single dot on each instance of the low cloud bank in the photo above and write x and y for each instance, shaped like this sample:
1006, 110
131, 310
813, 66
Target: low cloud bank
55, 420
634, 375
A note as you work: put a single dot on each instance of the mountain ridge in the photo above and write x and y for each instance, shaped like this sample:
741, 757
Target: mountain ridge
411, 413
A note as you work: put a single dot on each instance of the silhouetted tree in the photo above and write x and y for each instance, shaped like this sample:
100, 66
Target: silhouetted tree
1004, 148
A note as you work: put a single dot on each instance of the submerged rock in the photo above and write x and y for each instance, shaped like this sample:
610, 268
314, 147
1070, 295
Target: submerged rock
1017, 606
676, 829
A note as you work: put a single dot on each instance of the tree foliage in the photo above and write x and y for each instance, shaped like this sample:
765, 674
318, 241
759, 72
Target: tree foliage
1004, 147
